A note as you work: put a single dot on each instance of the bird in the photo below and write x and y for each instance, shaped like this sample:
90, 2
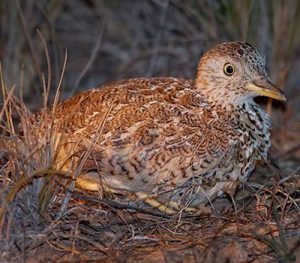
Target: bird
176, 143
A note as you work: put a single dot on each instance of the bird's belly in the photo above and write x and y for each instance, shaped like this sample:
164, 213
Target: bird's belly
148, 179
152, 173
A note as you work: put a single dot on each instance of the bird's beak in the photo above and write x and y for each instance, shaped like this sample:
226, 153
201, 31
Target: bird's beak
266, 88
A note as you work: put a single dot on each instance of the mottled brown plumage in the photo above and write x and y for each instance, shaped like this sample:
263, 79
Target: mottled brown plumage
171, 139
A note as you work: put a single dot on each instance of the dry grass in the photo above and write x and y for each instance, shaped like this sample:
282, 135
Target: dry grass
44, 218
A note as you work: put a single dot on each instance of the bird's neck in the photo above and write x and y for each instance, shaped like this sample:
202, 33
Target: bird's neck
247, 111
251, 108
230, 104
225, 97
255, 128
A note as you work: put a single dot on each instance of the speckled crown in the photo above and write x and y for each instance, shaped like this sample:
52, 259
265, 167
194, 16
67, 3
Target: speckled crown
239, 50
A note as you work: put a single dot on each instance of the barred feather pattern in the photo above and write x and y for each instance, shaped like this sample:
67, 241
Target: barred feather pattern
161, 133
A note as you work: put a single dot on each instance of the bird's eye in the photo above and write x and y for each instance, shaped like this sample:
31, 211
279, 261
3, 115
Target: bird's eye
228, 69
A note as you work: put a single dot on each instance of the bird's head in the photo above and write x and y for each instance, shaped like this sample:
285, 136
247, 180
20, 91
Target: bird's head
234, 72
